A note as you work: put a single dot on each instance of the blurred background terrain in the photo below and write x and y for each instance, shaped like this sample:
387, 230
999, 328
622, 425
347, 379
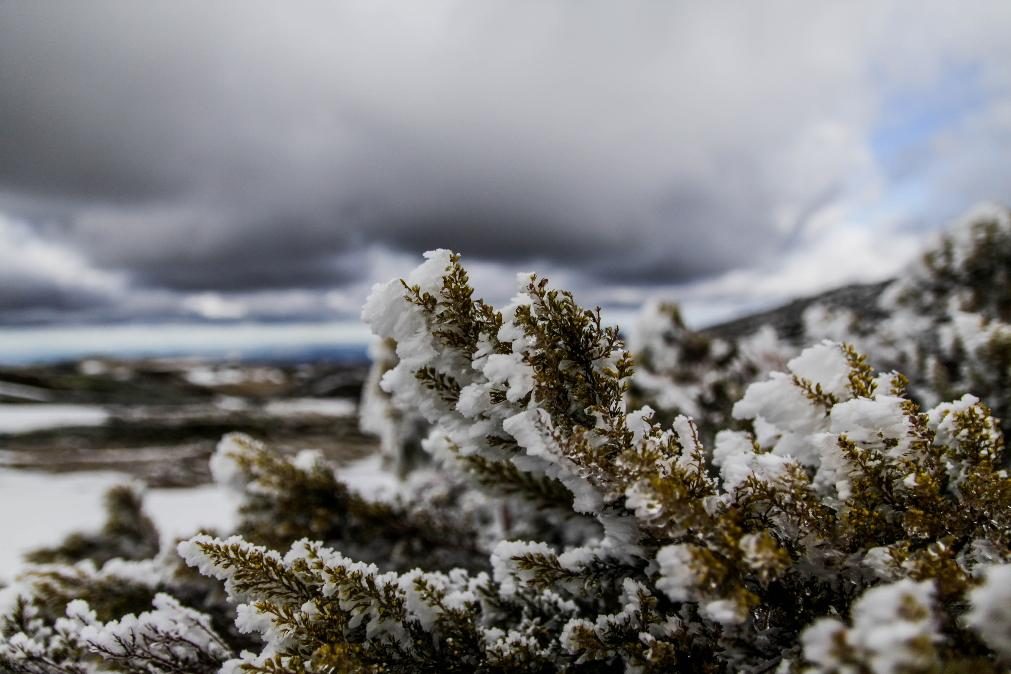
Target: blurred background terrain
159, 419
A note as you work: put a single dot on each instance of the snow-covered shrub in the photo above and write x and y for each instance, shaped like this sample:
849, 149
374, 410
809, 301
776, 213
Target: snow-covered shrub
49, 615
894, 630
951, 313
838, 527
291, 497
684, 371
946, 318
120, 616
400, 432
945, 322
683, 559
991, 609
152, 613
128, 533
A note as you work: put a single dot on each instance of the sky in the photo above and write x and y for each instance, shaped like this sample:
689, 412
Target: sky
246, 161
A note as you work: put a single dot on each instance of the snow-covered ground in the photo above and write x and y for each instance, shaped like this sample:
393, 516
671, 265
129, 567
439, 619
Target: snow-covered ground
24, 392
210, 376
38, 509
27, 418
41, 508
180, 512
324, 407
367, 477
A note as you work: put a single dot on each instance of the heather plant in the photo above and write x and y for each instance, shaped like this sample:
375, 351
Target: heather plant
945, 322
399, 432
287, 498
950, 314
680, 371
161, 615
128, 533
947, 317
838, 526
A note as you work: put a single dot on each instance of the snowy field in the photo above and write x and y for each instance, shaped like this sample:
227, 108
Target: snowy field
324, 407
48, 506
98, 444
28, 418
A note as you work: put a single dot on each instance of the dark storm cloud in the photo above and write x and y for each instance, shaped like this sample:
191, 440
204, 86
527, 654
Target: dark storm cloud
184, 123
206, 247
24, 296
237, 146
286, 258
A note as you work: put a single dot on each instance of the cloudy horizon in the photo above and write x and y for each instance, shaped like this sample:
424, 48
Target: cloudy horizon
248, 161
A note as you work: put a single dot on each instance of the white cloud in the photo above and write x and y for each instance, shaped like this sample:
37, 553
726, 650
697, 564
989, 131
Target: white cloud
37, 271
213, 306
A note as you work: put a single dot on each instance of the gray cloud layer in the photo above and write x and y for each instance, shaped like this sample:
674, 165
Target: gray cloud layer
237, 146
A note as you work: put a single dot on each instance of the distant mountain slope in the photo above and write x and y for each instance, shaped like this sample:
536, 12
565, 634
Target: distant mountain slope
788, 319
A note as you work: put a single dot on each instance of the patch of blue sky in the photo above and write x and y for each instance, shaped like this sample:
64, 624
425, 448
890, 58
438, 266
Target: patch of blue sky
911, 117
